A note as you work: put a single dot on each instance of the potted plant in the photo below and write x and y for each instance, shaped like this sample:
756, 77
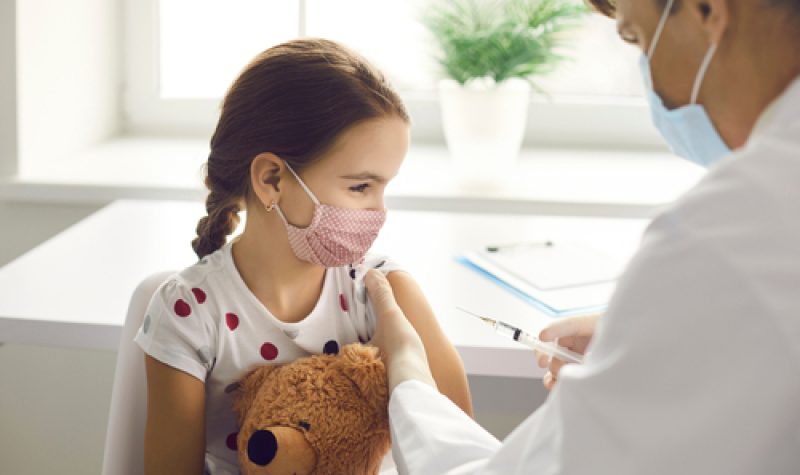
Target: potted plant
489, 51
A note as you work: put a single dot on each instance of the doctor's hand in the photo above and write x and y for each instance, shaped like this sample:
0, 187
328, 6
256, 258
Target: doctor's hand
573, 333
400, 346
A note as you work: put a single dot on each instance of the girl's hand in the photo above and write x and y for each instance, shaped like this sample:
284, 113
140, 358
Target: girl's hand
400, 345
574, 333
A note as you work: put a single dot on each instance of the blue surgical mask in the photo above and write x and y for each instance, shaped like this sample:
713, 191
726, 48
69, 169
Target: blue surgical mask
687, 129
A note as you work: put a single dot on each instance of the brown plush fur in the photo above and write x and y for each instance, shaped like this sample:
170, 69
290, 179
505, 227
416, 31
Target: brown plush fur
337, 403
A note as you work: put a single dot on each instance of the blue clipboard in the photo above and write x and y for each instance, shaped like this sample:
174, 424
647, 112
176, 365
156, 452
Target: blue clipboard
539, 302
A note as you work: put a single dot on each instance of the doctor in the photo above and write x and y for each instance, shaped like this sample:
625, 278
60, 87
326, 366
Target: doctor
695, 368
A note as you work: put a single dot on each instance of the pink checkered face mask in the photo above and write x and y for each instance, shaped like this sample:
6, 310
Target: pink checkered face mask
336, 236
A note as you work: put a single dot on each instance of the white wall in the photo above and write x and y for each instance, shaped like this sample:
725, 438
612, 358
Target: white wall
68, 77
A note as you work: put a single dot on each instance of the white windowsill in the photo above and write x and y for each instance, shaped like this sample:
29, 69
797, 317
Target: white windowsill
545, 181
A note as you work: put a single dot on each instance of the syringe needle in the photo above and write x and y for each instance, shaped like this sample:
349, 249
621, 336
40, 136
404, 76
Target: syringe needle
527, 339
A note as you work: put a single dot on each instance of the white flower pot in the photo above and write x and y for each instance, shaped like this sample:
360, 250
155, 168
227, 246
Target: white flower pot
484, 125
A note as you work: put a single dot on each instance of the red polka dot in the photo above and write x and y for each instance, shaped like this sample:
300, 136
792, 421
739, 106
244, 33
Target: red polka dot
269, 351
232, 320
199, 295
230, 441
343, 302
182, 309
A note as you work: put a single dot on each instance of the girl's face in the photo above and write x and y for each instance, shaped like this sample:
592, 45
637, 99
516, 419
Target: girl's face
353, 173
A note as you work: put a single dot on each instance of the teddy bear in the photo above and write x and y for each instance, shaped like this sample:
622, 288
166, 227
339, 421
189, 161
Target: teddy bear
319, 415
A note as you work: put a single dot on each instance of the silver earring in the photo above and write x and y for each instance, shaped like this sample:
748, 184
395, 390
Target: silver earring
271, 206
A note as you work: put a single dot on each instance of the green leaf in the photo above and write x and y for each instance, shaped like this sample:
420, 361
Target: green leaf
501, 39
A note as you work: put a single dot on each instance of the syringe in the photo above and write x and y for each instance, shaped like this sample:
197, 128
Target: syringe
516, 334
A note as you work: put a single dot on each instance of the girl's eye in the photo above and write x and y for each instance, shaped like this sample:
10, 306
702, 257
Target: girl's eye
360, 188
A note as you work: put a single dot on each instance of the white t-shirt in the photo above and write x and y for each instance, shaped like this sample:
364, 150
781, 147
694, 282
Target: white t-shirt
205, 321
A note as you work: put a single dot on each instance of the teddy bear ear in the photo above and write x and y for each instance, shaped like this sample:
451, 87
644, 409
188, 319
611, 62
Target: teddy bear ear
365, 369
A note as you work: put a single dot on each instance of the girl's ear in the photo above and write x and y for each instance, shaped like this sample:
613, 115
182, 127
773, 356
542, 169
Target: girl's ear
266, 171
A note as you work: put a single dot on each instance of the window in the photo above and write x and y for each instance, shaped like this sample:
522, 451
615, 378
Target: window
204, 43
175, 59
183, 54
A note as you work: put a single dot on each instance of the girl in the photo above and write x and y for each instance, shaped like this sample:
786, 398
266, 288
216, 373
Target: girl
308, 138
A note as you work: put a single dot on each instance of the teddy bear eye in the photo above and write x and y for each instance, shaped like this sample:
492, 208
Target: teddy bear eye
305, 425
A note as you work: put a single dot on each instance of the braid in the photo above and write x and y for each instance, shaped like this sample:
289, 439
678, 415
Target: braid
213, 229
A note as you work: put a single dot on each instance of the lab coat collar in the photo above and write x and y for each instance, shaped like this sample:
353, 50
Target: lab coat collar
782, 110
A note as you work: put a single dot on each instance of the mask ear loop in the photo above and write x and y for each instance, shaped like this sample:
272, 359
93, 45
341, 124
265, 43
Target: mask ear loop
702, 73
280, 213
656, 37
698, 81
660, 28
308, 191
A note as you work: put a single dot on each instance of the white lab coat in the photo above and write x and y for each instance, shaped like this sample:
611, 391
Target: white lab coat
695, 368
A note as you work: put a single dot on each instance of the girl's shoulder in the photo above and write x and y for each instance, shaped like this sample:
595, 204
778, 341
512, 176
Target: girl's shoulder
354, 274
195, 281
352, 297
180, 326
212, 263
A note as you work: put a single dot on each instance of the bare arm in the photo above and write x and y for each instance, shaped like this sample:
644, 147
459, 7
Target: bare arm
175, 434
444, 361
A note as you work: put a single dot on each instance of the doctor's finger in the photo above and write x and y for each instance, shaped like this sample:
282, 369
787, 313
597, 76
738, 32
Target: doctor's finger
556, 365
575, 343
572, 326
549, 381
542, 359
380, 292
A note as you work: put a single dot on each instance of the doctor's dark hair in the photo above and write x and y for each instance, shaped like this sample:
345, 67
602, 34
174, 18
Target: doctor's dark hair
609, 7
293, 100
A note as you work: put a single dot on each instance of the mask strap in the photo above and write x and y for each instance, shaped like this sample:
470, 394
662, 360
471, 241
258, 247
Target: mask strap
280, 213
702, 73
660, 28
308, 191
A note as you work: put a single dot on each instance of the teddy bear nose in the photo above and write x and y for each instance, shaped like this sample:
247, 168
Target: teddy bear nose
262, 447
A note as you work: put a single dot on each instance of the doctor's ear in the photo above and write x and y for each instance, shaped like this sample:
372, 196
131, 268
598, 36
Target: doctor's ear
713, 16
266, 171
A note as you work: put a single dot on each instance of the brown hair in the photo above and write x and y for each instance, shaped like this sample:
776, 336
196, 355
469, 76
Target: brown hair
293, 100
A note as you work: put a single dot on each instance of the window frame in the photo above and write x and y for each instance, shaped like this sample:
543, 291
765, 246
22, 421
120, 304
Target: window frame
608, 122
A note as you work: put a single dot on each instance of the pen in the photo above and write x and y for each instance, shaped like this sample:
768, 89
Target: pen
497, 248
516, 334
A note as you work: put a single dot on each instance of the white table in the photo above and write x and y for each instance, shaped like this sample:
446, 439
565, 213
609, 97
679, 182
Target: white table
73, 290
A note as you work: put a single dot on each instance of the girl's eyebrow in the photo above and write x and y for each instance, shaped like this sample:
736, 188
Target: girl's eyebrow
365, 176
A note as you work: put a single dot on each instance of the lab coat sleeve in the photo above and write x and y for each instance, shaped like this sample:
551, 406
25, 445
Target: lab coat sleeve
664, 390
438, 426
